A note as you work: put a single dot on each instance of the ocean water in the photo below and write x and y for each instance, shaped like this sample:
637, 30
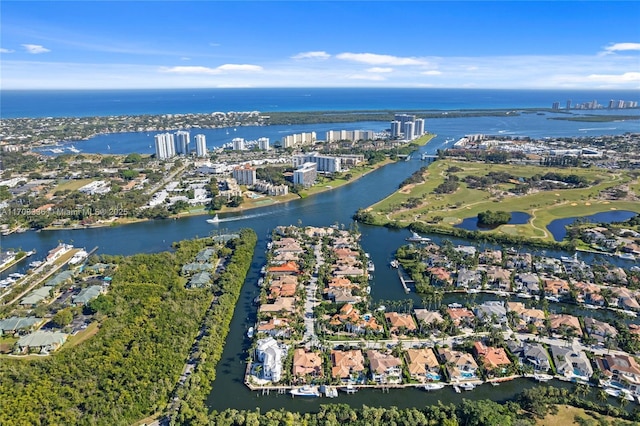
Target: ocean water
82, 103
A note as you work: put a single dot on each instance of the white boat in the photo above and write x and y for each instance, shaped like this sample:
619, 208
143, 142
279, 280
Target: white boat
16, 275
524, 295
349, 389
371, 267
613, 392
456, 388
552, 299
467, 386
306, 390
214, 219
626, 256
78, 257
394, 263
73, 149
250, 333
329, 391
454, 305
36, 263
542, 377
433, 386
415, 238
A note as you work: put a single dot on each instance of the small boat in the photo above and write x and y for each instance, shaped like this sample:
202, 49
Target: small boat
78, 257
524, 295
415, 238
454, 305
433, 386
306, 390
626, 256
371, 267
467, 386
329, 391
394, 263
260, 282
250, 333
349, 389
368, 289
456, 388
35, 263
495, 384
542, 377
16, 275
73, 149
214, 219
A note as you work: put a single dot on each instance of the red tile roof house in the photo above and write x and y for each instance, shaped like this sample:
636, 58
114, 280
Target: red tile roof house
398, 322
460, 315
440, 276
289, 268
346, 363
623, 369
459, 365
494, 359
555, 287
421, 362
560, 321
306, 363
384, 368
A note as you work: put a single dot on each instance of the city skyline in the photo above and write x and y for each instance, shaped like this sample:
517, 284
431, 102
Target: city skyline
162, 44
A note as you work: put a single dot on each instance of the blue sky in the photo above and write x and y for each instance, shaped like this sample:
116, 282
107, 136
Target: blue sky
151, 44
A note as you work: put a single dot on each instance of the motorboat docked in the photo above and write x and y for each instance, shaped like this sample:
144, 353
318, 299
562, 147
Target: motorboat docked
329, 391
394, 263
16, 275
36, 263
524, 295
306, 390
78, 257
214, 219
415, 238
467, 386
433, 386
349, 389
626, 256
370, 266
542, 377
250, 333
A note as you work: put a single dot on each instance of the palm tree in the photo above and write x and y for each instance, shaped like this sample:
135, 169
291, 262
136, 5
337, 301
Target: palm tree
602, 395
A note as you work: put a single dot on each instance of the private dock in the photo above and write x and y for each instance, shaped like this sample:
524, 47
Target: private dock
405, 280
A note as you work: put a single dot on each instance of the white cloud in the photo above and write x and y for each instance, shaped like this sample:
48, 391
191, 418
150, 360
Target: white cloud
3, 50
35, 48
375, 59
207, 70
431, 72
627, 77
379, 69
622, 46
312, 55
370, 77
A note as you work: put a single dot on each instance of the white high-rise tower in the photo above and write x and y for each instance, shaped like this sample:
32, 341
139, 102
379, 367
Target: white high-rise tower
201, 145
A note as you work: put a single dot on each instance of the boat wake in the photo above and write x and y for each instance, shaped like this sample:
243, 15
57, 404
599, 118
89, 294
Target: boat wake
243, 217
596, 128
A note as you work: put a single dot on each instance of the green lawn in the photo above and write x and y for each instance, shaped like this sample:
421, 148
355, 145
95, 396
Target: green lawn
543, 206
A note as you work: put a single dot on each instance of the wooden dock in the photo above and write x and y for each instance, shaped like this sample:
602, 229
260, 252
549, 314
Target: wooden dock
405, 280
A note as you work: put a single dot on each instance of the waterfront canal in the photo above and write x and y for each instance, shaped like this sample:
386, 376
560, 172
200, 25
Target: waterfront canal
333, 207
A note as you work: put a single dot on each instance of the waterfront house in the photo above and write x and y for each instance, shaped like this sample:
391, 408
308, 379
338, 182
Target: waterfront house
600, 330
622, 369
490, 310
460, 366
498, 278
283, 286
527, 282
494, 359
427, 318
558, 322
306, 363
468, 278
626, 298
533, 354
400, 323
288, 268
588, 293
422, 364
527, 315
571, 364
200, 280
385, 368
460, 316
490, 257
275, 327
466, 251
342, 295
555, 287
346, 364
281, 304
440, 276
350, 318
271, 355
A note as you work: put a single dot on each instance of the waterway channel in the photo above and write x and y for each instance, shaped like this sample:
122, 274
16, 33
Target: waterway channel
332, 207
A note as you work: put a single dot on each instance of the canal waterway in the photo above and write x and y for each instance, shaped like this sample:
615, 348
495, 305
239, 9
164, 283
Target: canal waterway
558, 227
332, 207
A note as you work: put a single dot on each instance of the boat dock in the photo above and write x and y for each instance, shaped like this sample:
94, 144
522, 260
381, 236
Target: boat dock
405, 280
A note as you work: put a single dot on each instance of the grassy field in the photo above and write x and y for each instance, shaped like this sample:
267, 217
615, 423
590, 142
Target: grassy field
567, 414
542, 206
71, 185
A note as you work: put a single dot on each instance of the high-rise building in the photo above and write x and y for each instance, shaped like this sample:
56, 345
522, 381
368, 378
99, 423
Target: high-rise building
306, 175
164, 146
238, 144
298, 139
396, 129
324, 163
182, 139
263, 144
409, 130
201, 145
555, 106
418, 130
569, 104
244, 175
